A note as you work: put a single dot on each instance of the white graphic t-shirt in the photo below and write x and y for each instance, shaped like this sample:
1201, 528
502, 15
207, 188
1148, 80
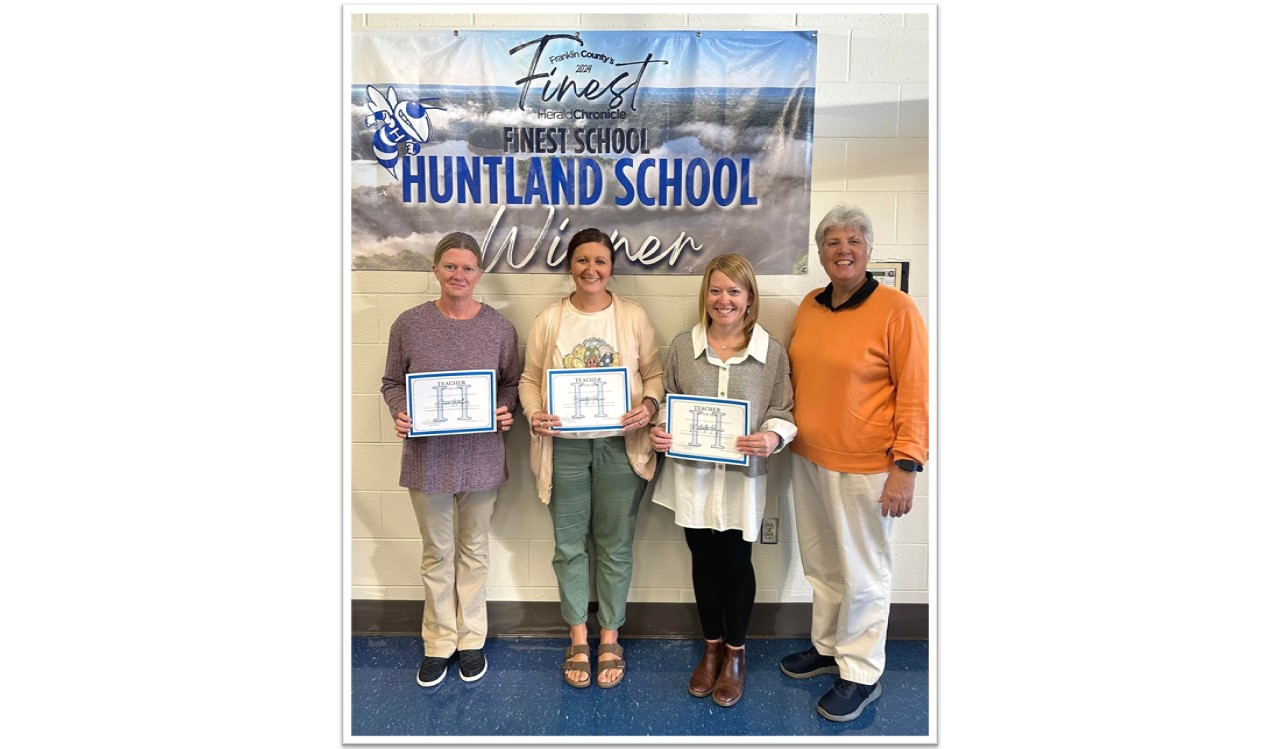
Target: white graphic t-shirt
586, 340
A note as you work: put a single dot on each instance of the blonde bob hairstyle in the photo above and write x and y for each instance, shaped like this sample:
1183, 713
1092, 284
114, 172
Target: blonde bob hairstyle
739, 270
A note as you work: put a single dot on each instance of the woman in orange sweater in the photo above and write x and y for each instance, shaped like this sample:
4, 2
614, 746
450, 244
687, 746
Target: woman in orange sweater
861, 410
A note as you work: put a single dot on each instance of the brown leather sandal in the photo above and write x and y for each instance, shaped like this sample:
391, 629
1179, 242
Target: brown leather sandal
604, 664
572, 665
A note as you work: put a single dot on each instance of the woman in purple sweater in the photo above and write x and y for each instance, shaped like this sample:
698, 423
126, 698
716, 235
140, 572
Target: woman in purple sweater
453, 474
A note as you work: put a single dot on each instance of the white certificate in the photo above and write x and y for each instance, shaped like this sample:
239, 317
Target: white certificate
589, 399
707, 428
455, 402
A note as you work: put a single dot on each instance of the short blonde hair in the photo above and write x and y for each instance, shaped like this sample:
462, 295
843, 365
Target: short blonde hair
739, 270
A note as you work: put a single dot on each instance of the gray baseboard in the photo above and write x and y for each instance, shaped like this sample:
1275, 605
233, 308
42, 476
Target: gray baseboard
907, 621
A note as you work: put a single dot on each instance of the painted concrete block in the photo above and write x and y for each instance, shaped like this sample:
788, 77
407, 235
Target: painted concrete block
504, 593
416, 20
909, 596
889, 55
881, 208
856, 110
527, 20
385, 562
830, 163
910, 567
657, 563
364, 418
913, 528
888, 164
368, 362
364, 319
657, 523
375, 467
913, 114
852, 20
630, 22
776, 315
366, 514
653, 595
913, 218
541, 573
687, 286
740, 20
388, 282
553, 285
518, 513
386, 426
398, 519
508, 563
833, 54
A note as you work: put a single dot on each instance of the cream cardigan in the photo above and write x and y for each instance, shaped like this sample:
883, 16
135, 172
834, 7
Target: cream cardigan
636, 342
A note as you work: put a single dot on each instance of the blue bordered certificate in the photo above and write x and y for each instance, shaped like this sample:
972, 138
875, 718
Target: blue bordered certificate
454, 402
590, 399
707, 428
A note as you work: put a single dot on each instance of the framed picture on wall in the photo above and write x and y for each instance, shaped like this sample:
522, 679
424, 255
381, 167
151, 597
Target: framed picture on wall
891, 273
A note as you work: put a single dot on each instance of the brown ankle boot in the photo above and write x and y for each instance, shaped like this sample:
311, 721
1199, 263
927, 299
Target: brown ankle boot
704, 675
728, 688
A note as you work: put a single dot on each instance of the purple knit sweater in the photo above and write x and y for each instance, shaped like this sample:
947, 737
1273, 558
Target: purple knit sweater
424, 340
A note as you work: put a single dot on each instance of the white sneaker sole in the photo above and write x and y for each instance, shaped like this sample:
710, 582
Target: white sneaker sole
443, 674
483, 671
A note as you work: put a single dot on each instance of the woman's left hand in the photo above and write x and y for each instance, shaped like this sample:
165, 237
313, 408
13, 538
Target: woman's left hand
637, 417
504, 418
760, 444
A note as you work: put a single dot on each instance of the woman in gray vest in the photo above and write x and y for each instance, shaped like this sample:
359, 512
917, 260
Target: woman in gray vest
726, 355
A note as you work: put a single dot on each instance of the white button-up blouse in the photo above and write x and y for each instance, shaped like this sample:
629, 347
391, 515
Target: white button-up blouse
713, 495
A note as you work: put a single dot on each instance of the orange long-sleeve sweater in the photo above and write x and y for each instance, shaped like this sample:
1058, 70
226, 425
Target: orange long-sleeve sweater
861, 379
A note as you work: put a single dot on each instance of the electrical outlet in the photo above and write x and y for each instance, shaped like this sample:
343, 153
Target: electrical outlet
769, 531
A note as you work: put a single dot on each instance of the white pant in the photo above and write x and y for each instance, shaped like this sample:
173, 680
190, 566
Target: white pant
844, 549
454, 614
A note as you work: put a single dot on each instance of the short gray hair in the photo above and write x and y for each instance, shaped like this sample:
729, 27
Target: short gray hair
457, 240
844, 217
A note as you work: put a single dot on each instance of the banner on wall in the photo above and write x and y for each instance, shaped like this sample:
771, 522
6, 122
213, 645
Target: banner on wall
682, 145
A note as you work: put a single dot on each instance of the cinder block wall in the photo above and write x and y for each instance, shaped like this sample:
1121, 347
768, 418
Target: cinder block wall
871, 148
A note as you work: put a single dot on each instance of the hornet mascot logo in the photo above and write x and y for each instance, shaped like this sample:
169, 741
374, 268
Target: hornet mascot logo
397, 122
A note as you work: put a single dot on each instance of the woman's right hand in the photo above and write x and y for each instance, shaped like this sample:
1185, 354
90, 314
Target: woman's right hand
402, 425
660, 439
545, 424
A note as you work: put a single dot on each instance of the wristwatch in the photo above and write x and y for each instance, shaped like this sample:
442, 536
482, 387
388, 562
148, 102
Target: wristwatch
909, 465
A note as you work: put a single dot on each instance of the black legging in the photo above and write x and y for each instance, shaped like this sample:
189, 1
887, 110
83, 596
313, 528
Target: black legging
724, 582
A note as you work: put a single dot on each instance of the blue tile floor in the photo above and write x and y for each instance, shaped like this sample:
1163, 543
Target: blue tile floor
523, 695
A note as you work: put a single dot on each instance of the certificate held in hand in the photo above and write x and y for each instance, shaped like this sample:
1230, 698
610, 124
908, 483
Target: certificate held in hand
590, 399
454, 402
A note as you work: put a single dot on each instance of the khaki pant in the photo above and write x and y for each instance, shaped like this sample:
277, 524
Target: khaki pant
454, 616
844, 549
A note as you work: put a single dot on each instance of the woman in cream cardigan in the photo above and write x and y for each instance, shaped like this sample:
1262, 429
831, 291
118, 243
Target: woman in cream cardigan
592, 481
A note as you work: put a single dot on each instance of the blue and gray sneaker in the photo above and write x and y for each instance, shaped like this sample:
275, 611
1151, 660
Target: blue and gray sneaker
847, 699
808, 663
